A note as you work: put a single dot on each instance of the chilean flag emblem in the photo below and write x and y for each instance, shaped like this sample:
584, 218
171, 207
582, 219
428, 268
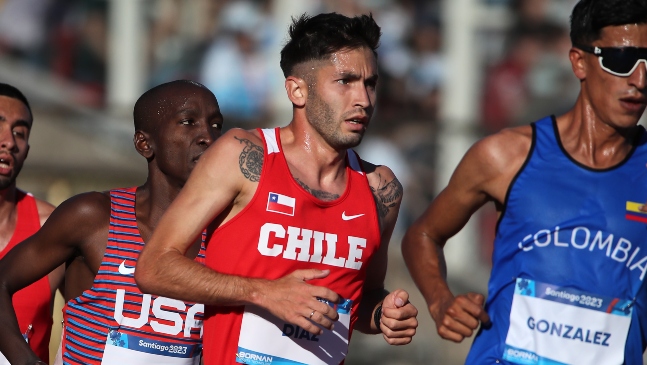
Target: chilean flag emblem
281, 204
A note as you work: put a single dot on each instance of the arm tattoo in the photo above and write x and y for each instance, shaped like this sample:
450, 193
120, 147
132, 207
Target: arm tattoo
251, 160
319, 194
386, 195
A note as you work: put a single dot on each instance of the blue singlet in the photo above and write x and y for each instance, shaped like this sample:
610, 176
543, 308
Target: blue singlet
575, 235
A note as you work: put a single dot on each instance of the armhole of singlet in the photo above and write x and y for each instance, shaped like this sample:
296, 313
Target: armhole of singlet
111, 234
354, 162
533, 143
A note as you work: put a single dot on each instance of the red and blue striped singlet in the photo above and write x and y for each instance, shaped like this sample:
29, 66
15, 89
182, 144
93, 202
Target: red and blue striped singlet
113, 322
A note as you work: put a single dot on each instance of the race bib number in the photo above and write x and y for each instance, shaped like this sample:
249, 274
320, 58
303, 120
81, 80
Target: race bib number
551, 325
266, 340
124, 348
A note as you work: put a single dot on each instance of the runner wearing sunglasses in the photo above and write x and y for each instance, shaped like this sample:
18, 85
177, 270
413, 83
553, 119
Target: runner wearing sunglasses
619, 61
570, 252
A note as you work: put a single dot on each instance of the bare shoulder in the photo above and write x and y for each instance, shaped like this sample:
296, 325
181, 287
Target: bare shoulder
238, 147
228, 171
237, 150
502, 152
379, 175
236, 139
250, 153
78, 225
386, 188
84, 211
508, 144
239, 135
488, 167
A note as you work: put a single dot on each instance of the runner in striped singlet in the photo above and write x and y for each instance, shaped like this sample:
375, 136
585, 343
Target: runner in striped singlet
107, 320
113, 322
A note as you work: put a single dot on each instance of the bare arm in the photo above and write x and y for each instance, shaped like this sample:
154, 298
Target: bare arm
398, 322
57, 275
225, 177
59, 238
483, 175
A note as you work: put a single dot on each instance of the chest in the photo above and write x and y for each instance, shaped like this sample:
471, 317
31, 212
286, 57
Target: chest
7, 229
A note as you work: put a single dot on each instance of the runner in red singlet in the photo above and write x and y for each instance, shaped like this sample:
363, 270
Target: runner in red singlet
21, 215
300, 225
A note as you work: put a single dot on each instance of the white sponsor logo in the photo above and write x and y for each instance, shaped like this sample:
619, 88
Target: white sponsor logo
349, 217
124, 270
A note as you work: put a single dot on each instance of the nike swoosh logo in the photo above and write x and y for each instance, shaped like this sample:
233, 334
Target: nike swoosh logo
126, 270
349, 217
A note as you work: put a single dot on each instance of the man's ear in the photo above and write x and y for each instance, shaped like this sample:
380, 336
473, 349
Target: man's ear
578, 62
140, 139
297, 90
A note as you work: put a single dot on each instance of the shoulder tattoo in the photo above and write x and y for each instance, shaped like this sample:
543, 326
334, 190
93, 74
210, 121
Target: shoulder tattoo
319, 194
251, 160
387, 195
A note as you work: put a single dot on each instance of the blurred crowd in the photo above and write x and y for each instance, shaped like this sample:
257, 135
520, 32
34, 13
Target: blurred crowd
226, 45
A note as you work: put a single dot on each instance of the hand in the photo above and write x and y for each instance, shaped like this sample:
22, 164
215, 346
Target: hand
398, 322
458, 317
293, 300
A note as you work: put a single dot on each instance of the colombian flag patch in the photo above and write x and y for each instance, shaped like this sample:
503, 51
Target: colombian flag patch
634, 213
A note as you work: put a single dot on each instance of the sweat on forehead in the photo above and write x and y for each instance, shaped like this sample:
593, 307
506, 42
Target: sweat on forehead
313, 64
160, 100
307, 70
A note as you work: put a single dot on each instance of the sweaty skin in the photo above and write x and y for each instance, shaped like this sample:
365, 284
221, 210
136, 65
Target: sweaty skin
329, 117
597, 132
15, 127
171, 136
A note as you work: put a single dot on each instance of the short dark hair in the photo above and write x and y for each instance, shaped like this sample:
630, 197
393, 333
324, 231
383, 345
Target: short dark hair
317, 37
148, 104
13, 92
590, 16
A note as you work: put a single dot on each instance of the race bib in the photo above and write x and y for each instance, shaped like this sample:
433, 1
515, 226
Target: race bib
266, 340
556, 325
124, 348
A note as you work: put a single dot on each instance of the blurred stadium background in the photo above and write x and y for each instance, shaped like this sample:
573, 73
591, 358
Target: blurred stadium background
451, 72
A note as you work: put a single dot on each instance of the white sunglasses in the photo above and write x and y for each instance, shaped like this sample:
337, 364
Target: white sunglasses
618, 61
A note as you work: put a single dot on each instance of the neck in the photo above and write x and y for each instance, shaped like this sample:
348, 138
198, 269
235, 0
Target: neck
319, 168
593, 141
8, 215
152, 199
301, 140
8, 199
